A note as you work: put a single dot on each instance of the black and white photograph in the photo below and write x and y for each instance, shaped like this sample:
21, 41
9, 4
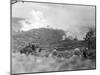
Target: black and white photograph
52, 37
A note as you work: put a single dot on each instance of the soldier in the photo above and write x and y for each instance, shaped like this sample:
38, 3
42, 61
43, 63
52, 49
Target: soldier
77, 51
40, 49
33, 47
84, 52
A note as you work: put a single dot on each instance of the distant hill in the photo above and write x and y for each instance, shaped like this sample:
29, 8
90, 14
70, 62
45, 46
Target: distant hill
16, 24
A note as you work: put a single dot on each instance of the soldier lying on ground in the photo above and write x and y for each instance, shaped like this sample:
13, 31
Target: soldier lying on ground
29, 49
85, 53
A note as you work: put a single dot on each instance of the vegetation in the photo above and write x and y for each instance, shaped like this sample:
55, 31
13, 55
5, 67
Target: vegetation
42, 36
91, 39
42, 50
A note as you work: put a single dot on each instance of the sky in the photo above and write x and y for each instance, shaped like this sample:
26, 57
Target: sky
71, 18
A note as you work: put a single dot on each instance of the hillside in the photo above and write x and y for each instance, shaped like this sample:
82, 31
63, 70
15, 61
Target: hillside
43, 36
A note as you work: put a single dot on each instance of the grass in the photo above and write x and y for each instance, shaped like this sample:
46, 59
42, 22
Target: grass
26, 64
47, 38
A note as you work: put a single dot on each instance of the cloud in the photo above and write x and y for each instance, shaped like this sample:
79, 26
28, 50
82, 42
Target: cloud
36, 20
72, 18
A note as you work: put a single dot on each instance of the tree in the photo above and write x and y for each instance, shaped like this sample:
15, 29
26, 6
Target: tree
91, 39
75, 38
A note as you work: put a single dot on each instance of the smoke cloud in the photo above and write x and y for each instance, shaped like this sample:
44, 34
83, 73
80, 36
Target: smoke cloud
73, 18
